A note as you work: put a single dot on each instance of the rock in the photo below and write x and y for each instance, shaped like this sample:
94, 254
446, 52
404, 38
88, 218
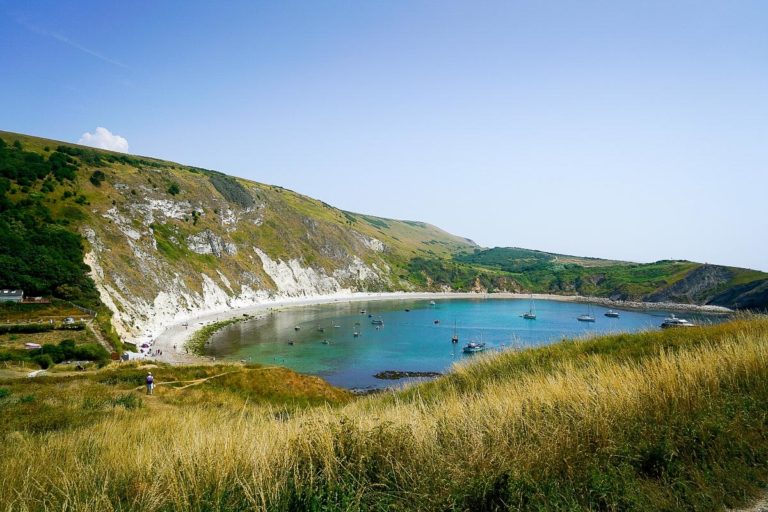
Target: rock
398, 374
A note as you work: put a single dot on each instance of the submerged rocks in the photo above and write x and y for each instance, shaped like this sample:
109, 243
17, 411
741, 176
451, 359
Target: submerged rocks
397, 374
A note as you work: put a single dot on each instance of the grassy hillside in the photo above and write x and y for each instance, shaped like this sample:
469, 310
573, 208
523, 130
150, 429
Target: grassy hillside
671, 420
162, 238
518, 269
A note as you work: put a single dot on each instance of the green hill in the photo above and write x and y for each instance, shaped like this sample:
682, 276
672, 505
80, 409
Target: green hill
166, 241
151, 242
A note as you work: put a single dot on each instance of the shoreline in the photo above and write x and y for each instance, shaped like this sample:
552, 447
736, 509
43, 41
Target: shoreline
172, 341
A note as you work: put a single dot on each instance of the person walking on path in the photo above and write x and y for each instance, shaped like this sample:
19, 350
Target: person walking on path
150, 383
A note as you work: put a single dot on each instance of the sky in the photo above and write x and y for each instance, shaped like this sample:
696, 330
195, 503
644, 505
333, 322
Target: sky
624, 130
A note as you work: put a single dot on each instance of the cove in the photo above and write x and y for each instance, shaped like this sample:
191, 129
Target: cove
418, 340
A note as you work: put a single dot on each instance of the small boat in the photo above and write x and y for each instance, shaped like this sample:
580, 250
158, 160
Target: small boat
612, 314
673, 321
432, 303
455, 337
437, 322
588, 316
531, 313
377, 321
370, 315
407, 310
290, 342
362, 311
325, 342
355, 334
321, 329
336, 326
297, 328
472, 347
357, 323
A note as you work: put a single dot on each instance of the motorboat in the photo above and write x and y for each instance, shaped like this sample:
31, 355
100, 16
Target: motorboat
472, 347
612, 314
377, 321
673, 321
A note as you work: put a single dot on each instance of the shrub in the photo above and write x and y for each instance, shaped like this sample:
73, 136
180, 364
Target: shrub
90, 352
97, 177
25, 328
174, 189
44, 360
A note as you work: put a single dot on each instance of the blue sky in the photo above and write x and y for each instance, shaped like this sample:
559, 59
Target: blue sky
628, 130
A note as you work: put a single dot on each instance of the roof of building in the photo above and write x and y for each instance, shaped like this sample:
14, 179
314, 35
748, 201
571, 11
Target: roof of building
11, 293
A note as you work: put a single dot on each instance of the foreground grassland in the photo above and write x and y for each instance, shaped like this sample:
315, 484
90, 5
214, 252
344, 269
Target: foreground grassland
652, 421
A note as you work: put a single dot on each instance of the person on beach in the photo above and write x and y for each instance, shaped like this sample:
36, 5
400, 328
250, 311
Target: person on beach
150, 383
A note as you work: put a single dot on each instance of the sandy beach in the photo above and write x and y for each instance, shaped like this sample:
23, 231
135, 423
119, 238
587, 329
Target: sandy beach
171, 342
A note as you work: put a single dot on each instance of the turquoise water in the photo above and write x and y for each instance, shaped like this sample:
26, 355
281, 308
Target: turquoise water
409, 341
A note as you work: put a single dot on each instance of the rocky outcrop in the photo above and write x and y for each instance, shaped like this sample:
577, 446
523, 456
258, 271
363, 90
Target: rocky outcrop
207, 242
752, 295
700, 286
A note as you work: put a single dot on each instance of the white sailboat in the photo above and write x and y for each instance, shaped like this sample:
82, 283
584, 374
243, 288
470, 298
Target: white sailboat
588, 317
531, 313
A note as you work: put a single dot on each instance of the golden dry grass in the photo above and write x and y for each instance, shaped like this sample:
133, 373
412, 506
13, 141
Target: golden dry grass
594, 432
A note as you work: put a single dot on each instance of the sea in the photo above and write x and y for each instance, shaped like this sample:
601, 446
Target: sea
412, 335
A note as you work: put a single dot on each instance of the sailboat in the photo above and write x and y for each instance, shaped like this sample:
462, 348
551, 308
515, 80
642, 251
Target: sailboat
531, 314
588, 317
455, 337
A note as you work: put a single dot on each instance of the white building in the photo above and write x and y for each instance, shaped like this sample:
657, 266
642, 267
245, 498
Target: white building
11, 295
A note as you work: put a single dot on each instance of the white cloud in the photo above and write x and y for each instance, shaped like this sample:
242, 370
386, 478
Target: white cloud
104, 139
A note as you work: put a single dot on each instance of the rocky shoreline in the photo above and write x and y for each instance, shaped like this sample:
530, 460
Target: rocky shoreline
650, 306
399, 374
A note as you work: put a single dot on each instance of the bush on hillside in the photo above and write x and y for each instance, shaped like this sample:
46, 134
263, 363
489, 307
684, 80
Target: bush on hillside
97, 177
43, 360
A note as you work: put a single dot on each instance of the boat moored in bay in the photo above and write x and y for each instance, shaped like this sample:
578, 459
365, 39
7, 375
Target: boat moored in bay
472, 347
673, 321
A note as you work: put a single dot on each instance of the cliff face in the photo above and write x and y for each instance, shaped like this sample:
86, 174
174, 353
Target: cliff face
697, 287
717, 285
221, 243
167, 242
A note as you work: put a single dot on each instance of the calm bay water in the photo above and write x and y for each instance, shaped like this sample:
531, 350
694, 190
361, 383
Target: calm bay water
409, 340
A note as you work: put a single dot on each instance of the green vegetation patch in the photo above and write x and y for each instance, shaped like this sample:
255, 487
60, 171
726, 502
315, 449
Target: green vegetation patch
196, 344
231, 190
37, 254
